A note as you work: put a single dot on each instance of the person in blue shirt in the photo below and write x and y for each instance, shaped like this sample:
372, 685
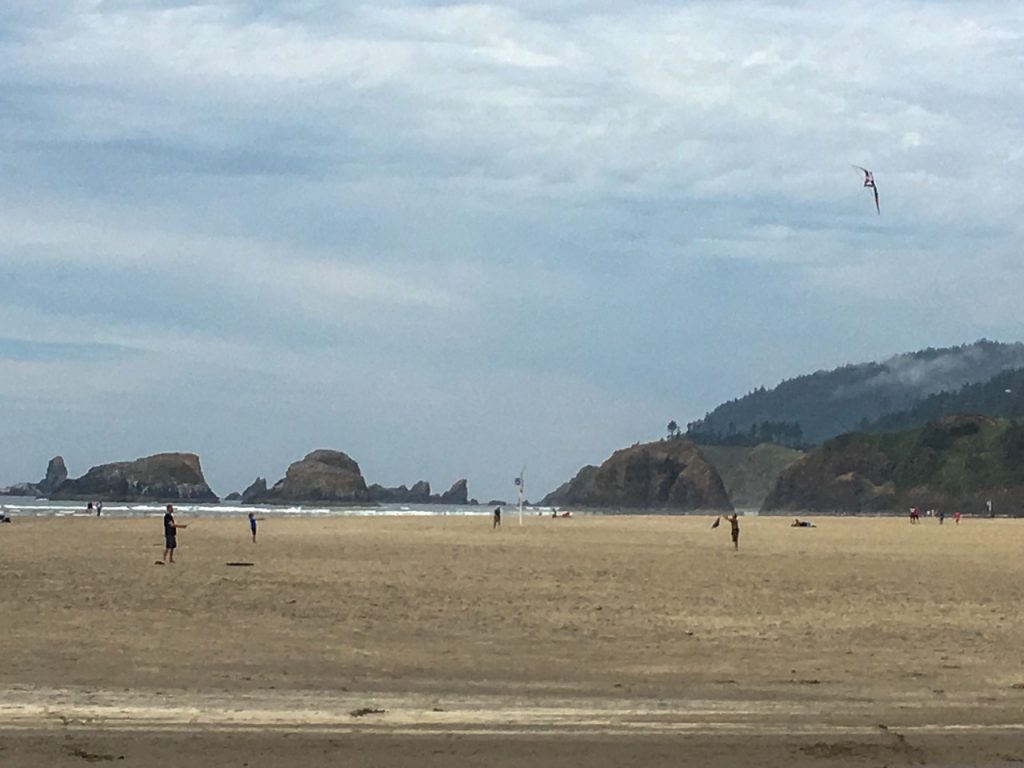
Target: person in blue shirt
252, 525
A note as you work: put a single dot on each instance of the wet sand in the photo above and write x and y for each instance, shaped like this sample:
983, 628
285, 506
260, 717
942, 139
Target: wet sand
595, 640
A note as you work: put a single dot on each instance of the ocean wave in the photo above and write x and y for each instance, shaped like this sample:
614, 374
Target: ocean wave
21, 506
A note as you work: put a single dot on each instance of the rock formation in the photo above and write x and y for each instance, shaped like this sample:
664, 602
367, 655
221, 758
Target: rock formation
850, 473
20, 489
457, 494
322, 476
56, 473
669, 475
162, 477
575, 492
418, 494
256, 490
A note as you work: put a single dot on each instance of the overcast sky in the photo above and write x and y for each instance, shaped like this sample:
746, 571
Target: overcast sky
455, 239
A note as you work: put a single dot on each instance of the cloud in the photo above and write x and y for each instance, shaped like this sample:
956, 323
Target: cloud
23, 350
232, 264
643, 209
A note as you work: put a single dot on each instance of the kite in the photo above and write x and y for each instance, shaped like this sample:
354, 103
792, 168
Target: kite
869, 181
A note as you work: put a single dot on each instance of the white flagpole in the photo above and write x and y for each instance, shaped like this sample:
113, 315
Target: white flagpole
521, 485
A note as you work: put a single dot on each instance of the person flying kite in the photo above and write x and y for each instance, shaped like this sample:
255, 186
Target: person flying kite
869, 181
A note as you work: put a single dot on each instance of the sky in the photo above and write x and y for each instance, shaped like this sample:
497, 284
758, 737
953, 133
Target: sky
459, 239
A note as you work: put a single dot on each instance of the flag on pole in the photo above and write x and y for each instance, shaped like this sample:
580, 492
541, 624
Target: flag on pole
521, 486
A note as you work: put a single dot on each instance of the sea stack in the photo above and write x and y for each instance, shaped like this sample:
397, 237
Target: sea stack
56, 473
322, 476
668, 475
458, 494
161, 477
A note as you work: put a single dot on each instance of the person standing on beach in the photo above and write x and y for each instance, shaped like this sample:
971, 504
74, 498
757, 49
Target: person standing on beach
171, 534
99, 508
734, 523
88, 508
252, 525
497, 518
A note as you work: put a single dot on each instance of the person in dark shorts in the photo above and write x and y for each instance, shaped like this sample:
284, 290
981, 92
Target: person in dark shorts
252, 525
734, 523
497, 518
171, 534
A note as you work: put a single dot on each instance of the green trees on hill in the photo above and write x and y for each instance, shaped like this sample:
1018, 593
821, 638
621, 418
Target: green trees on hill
1002, 395
959, 454
958, 462
900, 392
787, 433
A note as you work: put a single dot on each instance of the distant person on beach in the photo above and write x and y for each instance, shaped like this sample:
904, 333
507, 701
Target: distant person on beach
734, 522
171, 533
942, 516
497, 518
88, 507
798, 523
99, 508
252, 525
956, 517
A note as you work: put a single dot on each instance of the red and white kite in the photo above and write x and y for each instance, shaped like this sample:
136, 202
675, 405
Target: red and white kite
869, 181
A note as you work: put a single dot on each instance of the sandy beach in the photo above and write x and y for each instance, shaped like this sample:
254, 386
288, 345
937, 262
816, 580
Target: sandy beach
594, 640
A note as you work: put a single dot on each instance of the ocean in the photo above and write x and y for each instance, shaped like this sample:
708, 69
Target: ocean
22, 506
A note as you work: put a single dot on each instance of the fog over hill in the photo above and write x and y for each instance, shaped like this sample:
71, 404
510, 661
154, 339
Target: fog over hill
829, 403
1002, 395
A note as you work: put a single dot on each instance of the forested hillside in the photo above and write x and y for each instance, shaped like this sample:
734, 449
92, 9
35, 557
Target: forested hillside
958, 462
1002, 395
809, 409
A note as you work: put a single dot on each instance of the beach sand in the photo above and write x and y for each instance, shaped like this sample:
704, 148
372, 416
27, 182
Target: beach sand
598, 641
